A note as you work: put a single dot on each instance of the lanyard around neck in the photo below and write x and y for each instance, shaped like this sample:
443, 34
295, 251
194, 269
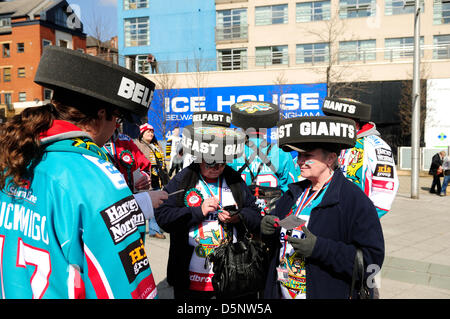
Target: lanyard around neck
211, 194
305, 199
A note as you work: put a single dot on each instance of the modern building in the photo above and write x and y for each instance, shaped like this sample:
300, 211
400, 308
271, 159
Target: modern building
179, 34
26, 27
278, 49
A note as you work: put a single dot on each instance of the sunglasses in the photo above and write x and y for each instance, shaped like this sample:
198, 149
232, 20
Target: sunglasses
215, 165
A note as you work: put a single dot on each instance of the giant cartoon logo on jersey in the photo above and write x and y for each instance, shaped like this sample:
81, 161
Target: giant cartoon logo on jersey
252, 107
355, 165
207, 242
295, 266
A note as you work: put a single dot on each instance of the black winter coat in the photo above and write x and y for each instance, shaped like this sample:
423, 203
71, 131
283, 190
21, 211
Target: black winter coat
436, 161
175, 218
345, 219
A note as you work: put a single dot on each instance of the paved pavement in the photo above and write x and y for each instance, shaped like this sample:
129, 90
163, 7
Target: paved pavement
417, 239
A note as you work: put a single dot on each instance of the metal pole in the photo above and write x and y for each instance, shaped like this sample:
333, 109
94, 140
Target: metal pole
415, 114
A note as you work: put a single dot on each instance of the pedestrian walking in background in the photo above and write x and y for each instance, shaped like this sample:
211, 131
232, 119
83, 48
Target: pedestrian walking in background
436, 171
446, 172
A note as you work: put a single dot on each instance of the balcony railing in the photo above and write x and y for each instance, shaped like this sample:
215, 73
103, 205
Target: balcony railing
283, 60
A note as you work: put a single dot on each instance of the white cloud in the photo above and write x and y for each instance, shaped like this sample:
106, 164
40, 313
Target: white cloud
108, 2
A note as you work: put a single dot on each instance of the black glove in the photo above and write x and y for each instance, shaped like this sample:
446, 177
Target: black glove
267, 225
304, 247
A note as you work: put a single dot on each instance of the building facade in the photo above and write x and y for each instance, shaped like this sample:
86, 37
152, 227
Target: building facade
179, 34
26, 27
358, 48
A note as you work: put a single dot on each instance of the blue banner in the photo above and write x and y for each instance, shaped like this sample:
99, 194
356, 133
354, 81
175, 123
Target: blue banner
173, 108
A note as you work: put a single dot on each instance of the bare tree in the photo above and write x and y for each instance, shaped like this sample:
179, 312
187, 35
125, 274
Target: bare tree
336, 74
160, 107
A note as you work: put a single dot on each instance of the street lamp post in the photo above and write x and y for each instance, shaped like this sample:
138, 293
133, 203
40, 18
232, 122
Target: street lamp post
415, 115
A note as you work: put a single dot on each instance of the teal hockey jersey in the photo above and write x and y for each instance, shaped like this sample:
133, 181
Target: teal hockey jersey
73, 231
282, 173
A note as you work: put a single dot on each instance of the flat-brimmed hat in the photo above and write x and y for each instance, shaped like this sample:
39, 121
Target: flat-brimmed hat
255, 114
213, 144
79, 79
306, 133
211, 118
347, 108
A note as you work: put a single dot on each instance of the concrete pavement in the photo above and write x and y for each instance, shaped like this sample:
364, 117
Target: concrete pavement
417, 241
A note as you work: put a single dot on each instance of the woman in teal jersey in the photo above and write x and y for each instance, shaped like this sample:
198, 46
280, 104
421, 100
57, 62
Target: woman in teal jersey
69, 225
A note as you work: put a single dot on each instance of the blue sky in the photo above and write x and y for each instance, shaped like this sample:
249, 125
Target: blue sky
97, 13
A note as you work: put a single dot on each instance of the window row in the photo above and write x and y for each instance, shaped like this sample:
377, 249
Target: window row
321, 10
6, 49
359, 50
135, 4
7, 98
5, 74
137, 32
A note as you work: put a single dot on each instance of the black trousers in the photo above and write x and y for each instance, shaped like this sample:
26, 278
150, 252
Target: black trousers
436, 183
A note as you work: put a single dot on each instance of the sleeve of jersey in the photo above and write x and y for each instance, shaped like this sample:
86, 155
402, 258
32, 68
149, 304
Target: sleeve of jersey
287, 172
384, 180
115, 262
141, 161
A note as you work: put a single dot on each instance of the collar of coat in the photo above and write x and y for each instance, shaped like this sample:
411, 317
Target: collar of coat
330, 198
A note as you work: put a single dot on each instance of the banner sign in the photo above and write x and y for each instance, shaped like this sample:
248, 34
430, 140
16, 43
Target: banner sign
179, 104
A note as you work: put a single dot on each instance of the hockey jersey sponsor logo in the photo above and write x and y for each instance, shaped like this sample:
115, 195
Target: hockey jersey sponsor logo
384, 155
384, 170
134, 259
123, 218
387, 186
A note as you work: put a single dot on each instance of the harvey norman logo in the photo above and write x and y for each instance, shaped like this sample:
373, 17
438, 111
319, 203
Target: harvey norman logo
123, 218
135, 92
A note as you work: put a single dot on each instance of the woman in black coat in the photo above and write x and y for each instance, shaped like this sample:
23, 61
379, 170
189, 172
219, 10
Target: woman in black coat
192, 219
315, 260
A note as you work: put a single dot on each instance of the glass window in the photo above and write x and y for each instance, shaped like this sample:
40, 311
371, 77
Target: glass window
47, 94
357, 50
8, 101
135, 4
271, 15
392, 7
46, 43
271, 55
441, 12
231, 24
142, 64
5, 22
22, 96
20, 47
5, 50
312, 53
441, 48
137, 32
232, 59
398, 48
356, 8
21, 72
313, 11
7, 75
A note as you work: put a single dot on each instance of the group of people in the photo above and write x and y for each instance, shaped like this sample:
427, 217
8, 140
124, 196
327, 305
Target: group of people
76, 194
440, 167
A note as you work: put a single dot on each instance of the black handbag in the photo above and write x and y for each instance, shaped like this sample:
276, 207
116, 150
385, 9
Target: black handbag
358, 282
239, 268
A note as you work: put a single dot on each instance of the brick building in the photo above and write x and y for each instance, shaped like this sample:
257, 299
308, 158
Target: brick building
26, 27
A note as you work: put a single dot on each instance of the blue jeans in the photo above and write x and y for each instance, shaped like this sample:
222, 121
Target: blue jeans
444, 185
153, 227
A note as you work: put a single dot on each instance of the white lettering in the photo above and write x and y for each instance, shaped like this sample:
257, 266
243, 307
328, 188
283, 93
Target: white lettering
310, 101
126, 88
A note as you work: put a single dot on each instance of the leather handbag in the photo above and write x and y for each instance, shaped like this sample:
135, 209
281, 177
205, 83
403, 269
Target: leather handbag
359, 285
239, 267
